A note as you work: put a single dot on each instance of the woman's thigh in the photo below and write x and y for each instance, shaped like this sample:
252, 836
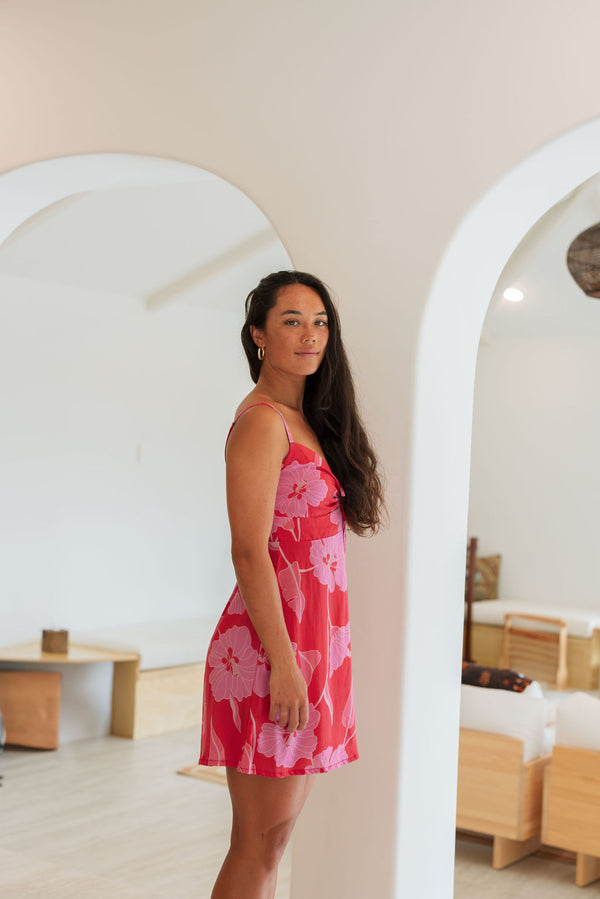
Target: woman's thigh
265, 808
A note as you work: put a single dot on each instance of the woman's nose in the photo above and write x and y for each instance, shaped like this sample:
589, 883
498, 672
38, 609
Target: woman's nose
309, 334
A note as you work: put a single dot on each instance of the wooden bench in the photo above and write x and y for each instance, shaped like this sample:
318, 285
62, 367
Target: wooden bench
572, 808
31, 705
572, 786
164, 692
542, 654
582, 638
158, 672
499, 794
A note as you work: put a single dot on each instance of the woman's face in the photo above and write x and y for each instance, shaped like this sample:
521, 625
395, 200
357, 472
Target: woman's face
296, 331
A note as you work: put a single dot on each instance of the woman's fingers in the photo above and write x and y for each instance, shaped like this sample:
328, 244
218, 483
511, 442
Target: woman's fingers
289, 700
293, 719
290, 718
303, 716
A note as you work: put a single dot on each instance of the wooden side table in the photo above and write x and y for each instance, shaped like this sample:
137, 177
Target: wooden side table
22, 698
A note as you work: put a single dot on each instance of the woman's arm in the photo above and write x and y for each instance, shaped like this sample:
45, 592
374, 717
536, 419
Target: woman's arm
255, 450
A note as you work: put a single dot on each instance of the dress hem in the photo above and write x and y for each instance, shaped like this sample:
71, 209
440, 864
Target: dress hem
212, 763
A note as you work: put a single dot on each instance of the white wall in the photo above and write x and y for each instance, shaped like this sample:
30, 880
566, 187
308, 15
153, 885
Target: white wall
535, 480
113, 504
364, 132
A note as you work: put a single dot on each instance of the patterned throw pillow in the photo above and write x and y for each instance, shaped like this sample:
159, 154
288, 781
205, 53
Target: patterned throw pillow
497, 678
487, 571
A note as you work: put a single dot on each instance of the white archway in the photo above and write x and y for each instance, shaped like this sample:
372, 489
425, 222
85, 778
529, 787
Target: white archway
30, 188
443, 402
441, 444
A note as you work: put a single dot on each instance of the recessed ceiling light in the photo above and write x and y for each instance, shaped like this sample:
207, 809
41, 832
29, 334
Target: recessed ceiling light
513, 294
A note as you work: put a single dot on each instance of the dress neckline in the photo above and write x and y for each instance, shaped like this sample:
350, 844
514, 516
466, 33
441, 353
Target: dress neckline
319, 456
291, 440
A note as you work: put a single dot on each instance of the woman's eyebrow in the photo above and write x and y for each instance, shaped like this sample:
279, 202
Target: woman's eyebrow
296, 312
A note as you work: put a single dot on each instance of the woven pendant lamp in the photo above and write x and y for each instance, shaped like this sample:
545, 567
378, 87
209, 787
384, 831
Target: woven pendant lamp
583, 261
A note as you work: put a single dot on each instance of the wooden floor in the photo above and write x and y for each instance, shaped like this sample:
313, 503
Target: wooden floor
535, 877
110, 819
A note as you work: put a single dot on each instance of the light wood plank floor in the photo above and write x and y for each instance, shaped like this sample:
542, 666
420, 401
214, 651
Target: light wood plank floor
535, 877
110, 819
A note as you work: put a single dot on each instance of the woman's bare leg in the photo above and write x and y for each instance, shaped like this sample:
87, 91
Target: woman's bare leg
264, 813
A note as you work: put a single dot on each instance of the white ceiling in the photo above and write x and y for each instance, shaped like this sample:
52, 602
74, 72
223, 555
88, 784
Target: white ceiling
554, 306
202, 243
205, 243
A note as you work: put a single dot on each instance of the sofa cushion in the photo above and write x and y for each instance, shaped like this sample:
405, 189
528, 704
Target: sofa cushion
578, 722
502, 712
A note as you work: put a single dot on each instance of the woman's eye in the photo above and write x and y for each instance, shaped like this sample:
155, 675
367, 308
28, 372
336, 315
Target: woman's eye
321, 322
291, 321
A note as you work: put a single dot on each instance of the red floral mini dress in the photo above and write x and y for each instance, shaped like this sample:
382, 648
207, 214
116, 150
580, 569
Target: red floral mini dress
307, 549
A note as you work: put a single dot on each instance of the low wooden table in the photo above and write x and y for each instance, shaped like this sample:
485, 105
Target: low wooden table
126, 669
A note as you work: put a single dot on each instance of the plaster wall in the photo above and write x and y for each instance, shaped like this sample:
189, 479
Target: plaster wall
114, 510
364, 133
534, 472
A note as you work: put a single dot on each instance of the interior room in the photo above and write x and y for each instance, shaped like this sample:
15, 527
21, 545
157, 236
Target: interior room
121, 313
121, 316
402, 151
532, 498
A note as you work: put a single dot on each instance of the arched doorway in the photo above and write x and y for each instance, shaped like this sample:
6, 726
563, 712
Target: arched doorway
123, 282
446, 359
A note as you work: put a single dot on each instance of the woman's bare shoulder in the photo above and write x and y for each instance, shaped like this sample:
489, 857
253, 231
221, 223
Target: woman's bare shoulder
260, 426
253, 398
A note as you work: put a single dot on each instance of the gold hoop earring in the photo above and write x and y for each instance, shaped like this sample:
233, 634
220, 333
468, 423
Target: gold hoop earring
261, 353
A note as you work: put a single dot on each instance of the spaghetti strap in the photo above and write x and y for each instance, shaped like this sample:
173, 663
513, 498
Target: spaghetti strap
237, 418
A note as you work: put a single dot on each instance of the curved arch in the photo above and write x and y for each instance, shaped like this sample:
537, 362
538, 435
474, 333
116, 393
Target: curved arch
441, 445
30, 188
24, 193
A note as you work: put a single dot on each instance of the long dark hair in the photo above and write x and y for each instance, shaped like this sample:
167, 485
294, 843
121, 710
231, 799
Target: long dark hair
329, 404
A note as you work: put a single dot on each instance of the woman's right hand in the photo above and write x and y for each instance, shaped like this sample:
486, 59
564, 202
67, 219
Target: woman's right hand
289, 697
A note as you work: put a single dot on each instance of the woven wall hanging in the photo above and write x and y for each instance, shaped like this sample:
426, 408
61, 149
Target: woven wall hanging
583, 261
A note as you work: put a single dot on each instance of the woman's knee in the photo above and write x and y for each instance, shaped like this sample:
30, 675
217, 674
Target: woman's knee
267, 845
276, 840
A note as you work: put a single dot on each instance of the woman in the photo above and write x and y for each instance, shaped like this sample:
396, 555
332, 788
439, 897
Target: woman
278, 684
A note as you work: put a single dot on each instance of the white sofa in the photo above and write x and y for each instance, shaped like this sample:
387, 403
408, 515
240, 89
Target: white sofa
572, 785
505, 744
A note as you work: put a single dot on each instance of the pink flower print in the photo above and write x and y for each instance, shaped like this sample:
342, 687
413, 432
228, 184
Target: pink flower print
288, 748
329, 758
284, 522
236, 603
263, 674
337, 517
233, 663
307, 662
329, 560
339, 647
235, 712
216, 753
289, 583
300, 486
247, 760
348, 713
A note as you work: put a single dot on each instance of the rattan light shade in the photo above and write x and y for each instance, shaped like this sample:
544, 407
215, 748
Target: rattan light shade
583, 261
